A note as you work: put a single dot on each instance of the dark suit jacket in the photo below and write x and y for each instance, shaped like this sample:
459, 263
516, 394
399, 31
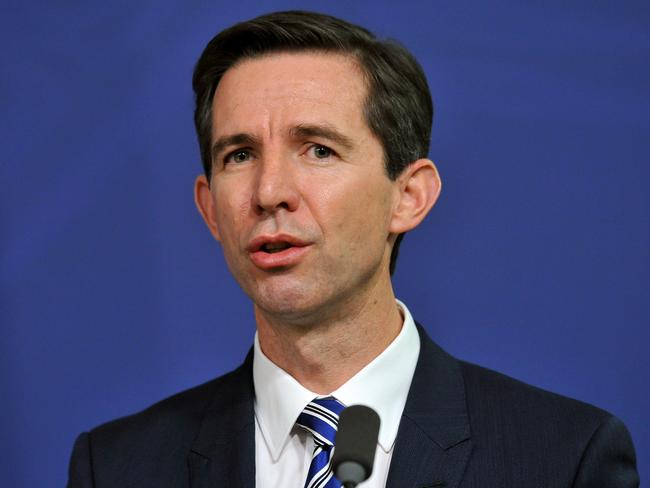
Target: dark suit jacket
463, 426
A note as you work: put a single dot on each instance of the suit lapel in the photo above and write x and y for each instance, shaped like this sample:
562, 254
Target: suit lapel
433, 442
223, 452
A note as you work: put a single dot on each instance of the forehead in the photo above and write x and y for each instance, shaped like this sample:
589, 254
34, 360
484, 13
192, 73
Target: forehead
279, 89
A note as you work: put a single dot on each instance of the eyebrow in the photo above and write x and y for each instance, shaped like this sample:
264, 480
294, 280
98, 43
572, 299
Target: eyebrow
233, 140
301, 130
324, 131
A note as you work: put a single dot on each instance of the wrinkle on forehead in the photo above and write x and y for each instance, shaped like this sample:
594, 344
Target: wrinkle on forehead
302, 87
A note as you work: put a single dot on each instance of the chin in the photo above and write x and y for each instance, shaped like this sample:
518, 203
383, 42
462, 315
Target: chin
290, 303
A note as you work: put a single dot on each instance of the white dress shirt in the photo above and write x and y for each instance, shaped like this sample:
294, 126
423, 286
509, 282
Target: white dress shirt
283, 451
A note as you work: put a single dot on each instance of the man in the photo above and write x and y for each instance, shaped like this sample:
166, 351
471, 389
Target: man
314, 137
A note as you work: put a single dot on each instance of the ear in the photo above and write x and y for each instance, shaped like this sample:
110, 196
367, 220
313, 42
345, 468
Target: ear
206, 205
419, 186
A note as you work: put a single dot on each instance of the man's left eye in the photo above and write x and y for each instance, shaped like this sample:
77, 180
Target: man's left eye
322, 152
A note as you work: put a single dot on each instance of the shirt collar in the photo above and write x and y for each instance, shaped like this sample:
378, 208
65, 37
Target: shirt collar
383, 385
279, 399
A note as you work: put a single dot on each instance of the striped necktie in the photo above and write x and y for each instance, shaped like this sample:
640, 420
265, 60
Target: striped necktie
321, 418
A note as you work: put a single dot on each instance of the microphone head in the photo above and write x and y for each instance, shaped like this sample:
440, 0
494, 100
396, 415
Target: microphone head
355, 444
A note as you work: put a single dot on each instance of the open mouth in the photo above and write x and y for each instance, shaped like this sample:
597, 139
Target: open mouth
273, 247
277, 251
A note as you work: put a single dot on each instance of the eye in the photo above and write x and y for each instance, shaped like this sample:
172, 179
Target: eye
322, 152
238, 156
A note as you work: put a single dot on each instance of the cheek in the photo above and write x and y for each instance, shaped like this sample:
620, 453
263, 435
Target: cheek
357, 214
231, 217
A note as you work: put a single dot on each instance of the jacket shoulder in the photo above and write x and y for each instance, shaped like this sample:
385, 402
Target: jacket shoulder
492, 391
185, 408
540, 438
154, 443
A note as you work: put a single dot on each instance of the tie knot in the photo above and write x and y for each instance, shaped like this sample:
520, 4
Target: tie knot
321, 418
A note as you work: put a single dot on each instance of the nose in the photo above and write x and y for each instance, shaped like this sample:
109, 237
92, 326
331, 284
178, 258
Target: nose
275, 186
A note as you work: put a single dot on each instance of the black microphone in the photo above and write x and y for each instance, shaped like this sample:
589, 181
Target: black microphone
355, 444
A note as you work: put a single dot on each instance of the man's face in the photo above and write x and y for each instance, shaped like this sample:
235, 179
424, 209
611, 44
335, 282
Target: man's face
299, 197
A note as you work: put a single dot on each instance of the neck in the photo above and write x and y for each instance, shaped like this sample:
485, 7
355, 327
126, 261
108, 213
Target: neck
323, 354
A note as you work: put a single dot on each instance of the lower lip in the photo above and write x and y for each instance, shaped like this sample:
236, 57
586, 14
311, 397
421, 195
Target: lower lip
288, 257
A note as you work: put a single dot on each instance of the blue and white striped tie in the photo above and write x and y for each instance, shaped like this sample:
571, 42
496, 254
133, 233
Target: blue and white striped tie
321, 418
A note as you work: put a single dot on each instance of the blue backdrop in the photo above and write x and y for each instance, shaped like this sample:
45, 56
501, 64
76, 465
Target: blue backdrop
113, 295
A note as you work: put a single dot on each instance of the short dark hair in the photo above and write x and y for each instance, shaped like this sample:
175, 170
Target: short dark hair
398, 107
